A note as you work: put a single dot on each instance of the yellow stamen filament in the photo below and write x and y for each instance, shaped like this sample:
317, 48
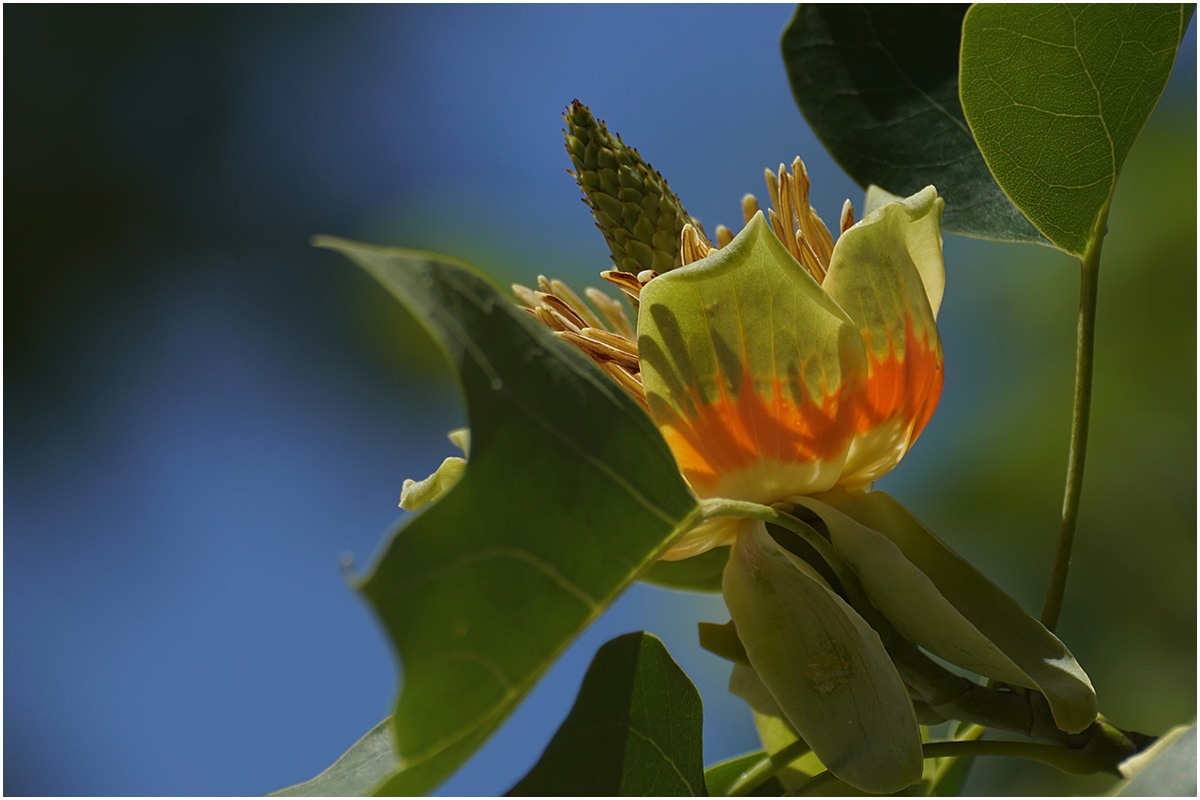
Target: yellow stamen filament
692, 246
559, 306
847, 216
562, 291
614, 340
810, 222
749, 208
612, 347
526, 295
552, 319
795, 222
627, 282
773, 186
601, 351
612, 311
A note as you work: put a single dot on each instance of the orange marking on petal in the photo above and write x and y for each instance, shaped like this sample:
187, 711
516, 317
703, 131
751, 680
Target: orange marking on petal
736, 432
907, 386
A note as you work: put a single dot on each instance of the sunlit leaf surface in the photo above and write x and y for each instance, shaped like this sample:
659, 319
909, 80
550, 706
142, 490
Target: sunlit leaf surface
570, 494
878, 84
635, 729
1056, 95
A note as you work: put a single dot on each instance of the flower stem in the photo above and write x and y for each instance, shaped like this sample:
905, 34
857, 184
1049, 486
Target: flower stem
767, 768
970, 734
1085, 346
1074, 762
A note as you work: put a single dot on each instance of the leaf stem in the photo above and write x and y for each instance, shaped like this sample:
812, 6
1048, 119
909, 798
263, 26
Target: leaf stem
767, 768
1085, 345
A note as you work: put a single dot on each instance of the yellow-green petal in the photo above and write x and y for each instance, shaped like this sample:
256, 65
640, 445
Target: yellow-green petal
887, 274
751, 372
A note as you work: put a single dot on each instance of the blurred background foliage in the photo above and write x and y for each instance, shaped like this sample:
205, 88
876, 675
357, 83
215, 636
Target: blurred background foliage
203, 412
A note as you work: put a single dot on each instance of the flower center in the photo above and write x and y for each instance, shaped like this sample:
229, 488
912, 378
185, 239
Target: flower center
609, 338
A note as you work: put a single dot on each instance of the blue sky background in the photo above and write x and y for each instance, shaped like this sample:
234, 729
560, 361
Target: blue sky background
204, 414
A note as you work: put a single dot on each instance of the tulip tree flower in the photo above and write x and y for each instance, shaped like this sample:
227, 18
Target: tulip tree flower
784, 365
787, 372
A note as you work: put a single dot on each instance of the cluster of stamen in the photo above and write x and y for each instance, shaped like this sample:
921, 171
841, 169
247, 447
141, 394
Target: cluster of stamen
610, 339
794, 220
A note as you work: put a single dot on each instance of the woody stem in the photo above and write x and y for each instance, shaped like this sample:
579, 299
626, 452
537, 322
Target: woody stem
1084, 358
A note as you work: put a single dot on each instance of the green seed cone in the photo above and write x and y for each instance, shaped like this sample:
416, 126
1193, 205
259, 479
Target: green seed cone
635, 209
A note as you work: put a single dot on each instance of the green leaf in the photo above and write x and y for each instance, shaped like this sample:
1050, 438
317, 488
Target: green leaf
635, 729
824, 666
1056, 95
364, 766
1168, 769
998, 617
570, 494
878, 84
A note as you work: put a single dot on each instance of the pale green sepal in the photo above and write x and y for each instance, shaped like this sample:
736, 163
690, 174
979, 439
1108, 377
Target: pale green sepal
417, 494
876, 197
911, 601
774, 731
722, 640
1025, 641
825, 667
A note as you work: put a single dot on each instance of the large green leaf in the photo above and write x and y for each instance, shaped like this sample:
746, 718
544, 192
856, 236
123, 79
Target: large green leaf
1056, 95
569, 496
878, 84
370, 762
636, 729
